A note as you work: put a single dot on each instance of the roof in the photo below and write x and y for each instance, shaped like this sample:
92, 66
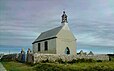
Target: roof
48, 34
58, 32
90, 53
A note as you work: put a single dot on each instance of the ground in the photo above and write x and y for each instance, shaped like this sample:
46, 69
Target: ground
17, 66
2, 67
84, 66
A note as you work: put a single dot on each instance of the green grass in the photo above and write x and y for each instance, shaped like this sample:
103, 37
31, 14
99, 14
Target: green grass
112, 59
16, 66
83, 66
97, 66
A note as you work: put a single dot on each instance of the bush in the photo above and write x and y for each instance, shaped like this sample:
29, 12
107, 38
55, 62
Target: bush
30, 64
48, 67
59, 61
73, 61
85, 60
90, 60
102, 68
111, 58
65, 67
99, 60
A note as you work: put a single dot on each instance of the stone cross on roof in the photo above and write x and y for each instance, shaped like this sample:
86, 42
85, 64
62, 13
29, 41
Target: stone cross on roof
64, 18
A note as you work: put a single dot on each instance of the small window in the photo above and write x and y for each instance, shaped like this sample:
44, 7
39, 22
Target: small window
38, 46
46, 45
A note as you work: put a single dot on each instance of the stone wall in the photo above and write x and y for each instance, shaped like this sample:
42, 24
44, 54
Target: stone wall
9, 57
53, 57
96, 57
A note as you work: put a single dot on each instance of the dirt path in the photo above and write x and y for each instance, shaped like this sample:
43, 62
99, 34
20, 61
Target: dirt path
2, 67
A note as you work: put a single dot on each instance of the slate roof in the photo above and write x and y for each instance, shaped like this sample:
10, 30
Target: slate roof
90, 53
48, 34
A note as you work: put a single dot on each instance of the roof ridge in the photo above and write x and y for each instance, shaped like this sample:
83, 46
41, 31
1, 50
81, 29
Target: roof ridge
52, 29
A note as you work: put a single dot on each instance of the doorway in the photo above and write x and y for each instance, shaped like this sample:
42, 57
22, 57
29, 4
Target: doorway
67, 51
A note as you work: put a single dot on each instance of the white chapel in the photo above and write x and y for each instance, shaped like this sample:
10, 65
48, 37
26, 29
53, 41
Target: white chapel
59, 40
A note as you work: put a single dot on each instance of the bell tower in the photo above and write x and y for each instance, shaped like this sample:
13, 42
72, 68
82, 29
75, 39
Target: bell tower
64, 18
64, 21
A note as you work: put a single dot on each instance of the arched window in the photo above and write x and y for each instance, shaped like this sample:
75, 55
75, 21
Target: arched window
45, 45
67, 50
38, 46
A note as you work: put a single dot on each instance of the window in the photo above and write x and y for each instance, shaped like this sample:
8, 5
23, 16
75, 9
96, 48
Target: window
46, 45
38, 46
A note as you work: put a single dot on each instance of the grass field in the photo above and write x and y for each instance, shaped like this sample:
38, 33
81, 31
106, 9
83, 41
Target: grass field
16, 66
84, 66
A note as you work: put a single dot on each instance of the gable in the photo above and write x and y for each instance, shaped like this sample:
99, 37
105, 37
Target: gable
65, 33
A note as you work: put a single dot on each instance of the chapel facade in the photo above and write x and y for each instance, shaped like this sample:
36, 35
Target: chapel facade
59, 40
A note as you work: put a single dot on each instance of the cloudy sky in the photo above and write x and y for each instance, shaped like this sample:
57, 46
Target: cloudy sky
91, 21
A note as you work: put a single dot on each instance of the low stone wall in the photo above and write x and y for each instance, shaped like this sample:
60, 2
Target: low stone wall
95, 57
54, 57
9, 57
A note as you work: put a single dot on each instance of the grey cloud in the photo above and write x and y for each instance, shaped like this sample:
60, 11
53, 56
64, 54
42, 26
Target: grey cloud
90, 21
